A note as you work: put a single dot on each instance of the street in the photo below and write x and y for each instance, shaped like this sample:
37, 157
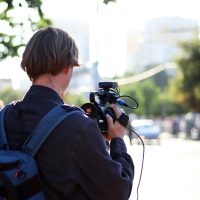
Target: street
171, 170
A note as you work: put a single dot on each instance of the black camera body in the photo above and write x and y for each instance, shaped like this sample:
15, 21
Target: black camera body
98, 107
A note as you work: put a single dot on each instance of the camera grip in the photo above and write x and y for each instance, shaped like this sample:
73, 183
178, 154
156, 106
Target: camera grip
110, 112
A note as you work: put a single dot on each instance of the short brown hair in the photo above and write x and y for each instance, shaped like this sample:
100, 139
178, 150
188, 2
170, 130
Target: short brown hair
48, 51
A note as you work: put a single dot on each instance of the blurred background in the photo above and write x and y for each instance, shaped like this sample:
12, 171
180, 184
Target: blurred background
152, 49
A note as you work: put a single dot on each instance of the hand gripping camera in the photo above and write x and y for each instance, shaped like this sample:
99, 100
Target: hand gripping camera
97, 109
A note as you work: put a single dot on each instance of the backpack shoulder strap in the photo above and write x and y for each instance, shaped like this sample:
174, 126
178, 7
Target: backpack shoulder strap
45, 127
3, 138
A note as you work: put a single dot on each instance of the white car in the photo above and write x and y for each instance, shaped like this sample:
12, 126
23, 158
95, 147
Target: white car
146, 128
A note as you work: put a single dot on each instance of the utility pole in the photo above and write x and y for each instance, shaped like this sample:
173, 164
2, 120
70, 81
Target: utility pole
93, 44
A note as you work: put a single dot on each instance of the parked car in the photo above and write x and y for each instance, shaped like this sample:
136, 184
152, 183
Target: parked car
146, 128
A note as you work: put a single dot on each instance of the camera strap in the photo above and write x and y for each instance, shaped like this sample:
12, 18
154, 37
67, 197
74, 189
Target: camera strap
123, 119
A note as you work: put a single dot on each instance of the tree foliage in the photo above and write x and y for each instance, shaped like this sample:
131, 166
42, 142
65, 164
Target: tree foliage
107, 1
17, 18
75, 99
147, 95
8, 95
188, 80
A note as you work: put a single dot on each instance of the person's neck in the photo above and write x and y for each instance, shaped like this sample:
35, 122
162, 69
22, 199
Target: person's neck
50, 81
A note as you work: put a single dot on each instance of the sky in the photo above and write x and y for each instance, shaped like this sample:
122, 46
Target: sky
136, 12
124, 15
112, 21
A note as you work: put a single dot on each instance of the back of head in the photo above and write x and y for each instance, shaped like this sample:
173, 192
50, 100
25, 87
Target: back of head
49, 51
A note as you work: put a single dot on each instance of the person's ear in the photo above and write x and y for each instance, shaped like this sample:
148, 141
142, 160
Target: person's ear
66, 69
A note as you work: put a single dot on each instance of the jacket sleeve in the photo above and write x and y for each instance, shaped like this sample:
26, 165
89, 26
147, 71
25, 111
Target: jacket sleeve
100, 174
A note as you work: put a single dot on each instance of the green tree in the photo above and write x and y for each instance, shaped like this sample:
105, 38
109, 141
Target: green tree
17, 17
107, 1
188, 81
75, 99
148, 96
8, 95
160, 79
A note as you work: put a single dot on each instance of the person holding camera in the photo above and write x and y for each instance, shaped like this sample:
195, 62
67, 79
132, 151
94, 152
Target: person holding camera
74, 162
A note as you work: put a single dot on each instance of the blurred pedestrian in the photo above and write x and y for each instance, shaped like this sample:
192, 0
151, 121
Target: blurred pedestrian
130, 136
175, 126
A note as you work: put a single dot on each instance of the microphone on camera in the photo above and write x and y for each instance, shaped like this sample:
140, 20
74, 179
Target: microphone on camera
121, 102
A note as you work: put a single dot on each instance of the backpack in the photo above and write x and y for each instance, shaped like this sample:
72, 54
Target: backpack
19, 173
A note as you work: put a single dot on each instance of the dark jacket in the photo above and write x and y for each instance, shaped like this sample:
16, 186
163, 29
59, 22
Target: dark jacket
73, 161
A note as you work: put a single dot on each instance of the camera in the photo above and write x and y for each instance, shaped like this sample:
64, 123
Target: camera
108, 93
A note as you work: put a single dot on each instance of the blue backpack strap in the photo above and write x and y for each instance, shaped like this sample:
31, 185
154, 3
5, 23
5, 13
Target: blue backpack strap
45, 127
3, 138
